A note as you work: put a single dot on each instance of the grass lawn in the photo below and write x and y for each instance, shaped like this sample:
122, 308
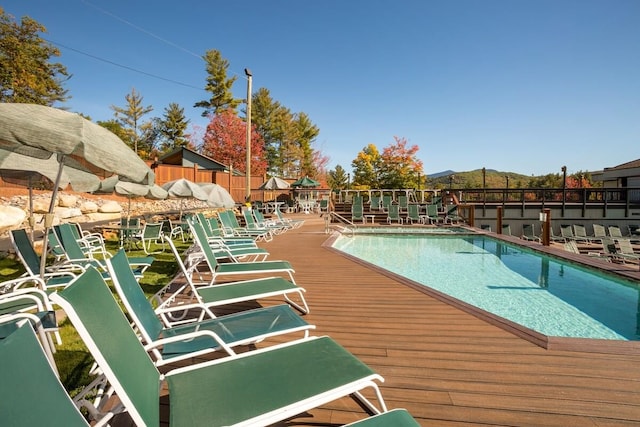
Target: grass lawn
73, 358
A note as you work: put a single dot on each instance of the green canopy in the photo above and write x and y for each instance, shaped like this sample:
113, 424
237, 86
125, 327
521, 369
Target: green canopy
305, 182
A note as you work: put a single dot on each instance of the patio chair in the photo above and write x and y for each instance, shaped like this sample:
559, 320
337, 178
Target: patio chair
451, 215
199, 337
387, 200
432, 214
201, 297
357, 210
599, 231
216, 234
566, 231
32, 305
528, 233
274, 223
615, 232
634, 233
251, 224
172, 230
31, 392
91, 243
151, 234
554, 237
403, 203
255, 388
75, 255
506, 230
393, 214
580, 233
230, 224
413, 214
295, 223
236, 268
375, 203
31, 263
626, 251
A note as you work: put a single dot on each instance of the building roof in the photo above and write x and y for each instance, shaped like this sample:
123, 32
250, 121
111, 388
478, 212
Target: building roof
187, 158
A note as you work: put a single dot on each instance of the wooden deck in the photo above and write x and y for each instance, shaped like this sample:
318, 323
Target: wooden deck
448, 367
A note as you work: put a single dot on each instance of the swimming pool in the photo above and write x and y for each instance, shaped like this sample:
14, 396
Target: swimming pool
545, 294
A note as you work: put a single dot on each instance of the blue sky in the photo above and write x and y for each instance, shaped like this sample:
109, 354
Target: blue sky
513, 85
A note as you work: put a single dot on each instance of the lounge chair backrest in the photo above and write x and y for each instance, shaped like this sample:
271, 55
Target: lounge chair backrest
599, 230
432, 211
506, 229
394, 211
414, 211
105, 330
528, 230
27, 254
614, 231
566, 231
626, 247
579, 230
133, 298
31, 393
200, 239
403, 202
69, 242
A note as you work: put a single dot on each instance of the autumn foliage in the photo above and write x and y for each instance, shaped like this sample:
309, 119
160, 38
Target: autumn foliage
225, 141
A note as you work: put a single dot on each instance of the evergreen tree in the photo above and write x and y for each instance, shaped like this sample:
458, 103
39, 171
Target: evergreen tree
337, 178
26, 73
171, 128
218, 85
130, 118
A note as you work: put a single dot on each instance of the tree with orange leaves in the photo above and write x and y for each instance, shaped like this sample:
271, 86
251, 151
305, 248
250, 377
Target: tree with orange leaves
225, 141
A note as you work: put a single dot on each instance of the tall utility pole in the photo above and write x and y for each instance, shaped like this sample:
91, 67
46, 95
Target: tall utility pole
248, 173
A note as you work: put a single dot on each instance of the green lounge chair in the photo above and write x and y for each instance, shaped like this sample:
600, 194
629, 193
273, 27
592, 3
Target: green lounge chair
566, 231
31, 393
151, 233
277, 225
393, 214
203, 298
616, 233
432, 214
217, 234
76, 256
235, 268
580, 231
31, 262
251, 224
32, 304
506, 229
626, 252
357, 210
198, 337
451, 215
256, 388
403, 203
295, 223
528, 233
230, 225
599, 231
413, 214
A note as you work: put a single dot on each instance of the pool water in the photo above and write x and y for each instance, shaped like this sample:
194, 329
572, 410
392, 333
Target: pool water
542, 293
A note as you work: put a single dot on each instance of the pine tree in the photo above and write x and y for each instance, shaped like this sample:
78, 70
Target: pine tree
130, 118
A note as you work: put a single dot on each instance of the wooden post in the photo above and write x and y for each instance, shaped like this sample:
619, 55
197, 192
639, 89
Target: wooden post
546, 227
499, 219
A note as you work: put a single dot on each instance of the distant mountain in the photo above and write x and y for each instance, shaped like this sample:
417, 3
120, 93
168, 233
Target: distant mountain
450, 172
440, 174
